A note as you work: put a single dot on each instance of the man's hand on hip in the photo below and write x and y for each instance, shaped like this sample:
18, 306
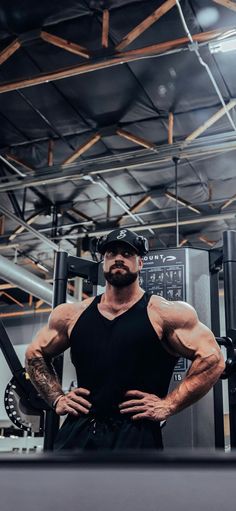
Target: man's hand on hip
74, 402
143, 405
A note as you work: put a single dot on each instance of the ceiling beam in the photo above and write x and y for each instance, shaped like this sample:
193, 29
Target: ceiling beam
17, 160
226, 3
136, 207
12, 298
208, 146
206, 240
170, 127
21, 229
65, 45
25, 313
39, 303
135, 139
212, 120
28, 227
82, 149
145, 24
81, 215
9, 50
50, 152
183, 202
165, 225
2, 224
116, 59
183, 242
228, 202
105, 28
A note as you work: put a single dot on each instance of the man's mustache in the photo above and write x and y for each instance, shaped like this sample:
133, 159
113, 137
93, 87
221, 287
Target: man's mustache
119, 264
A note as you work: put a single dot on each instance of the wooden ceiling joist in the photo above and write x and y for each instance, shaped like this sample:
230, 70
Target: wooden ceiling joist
212, 120
105, 28
65, 45
145, 24
226, 3
81, 215
136, 207
25, 313
20, 229
17, 160
170, 127
206, 240
82, 149
12, 298
50, 152
116, 59
135, 139
2, 224
183, 242
228, 202
39, 303
9, 50
183, 202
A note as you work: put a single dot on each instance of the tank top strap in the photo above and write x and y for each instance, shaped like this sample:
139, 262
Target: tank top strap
96, 300
146, 297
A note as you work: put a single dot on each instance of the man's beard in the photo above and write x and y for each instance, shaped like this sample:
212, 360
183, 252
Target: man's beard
120, 279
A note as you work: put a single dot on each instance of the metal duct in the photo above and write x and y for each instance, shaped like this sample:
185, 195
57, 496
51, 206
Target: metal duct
27, 281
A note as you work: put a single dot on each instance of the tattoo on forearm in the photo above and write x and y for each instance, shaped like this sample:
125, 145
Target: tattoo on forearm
44, 378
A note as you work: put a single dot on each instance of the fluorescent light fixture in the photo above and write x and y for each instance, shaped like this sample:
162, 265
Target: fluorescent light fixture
182, 202
225, 45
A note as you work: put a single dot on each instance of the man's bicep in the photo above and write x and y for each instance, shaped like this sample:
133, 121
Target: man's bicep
197, 340
48, 342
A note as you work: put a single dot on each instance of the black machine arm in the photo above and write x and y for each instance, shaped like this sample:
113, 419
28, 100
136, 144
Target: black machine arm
230, 344
22, 402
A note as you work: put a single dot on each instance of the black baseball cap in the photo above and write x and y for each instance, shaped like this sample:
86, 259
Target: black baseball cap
138, 243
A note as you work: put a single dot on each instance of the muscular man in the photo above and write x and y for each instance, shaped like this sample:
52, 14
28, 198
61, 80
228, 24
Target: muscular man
124, 345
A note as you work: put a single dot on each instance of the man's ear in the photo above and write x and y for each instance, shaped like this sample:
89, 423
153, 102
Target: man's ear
140, 263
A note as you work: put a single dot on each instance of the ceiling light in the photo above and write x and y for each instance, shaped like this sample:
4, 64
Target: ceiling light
223, 46
182, 202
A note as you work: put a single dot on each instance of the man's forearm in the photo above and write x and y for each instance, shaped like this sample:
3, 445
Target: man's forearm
201, 376
43, 376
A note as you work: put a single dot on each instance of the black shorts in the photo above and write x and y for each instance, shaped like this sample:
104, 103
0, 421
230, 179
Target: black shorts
110, 433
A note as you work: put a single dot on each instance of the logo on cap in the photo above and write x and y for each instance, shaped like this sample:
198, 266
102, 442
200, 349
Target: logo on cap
122, 234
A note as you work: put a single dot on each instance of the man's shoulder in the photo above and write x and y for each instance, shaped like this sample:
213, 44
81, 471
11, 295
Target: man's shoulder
172, 309
66, 311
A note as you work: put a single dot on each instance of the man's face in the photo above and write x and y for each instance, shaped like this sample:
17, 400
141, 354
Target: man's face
122, 264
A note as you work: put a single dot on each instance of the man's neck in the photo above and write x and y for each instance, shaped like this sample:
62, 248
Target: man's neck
115, 295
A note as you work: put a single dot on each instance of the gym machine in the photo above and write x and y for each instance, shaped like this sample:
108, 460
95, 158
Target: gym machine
24, 407
29, 412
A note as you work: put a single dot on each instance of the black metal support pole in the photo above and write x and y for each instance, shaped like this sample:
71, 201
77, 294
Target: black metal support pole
59, 296
215, 326
176, 161
229, 262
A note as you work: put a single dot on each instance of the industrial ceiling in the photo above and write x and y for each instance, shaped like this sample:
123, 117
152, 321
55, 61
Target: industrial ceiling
115, 113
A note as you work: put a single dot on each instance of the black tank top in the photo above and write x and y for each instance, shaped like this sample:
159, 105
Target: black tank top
113, 356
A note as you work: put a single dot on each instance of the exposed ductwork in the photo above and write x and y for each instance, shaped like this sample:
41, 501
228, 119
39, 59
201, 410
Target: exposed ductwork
27, 281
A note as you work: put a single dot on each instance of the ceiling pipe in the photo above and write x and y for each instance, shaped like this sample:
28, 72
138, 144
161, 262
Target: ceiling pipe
27, 281
28, 227
194, 47
200, 148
